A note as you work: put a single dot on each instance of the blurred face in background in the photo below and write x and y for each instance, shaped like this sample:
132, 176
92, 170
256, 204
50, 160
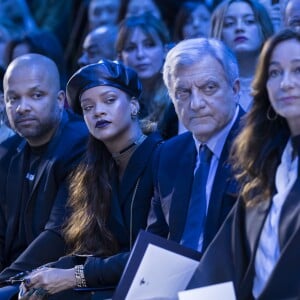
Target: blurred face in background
292, 15
139, 7
98, 44
145, 53
12, 9
4, 40
241, 31
103, 12
274, 8
197, 24
20, 49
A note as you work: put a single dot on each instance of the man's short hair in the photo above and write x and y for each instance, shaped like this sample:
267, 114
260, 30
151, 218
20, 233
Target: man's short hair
191, 51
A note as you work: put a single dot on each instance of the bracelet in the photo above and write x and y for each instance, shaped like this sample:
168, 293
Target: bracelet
79, 276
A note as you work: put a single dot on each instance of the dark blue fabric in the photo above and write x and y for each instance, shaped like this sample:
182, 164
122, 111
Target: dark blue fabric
9, 292
44, 210
197, 208
173, 172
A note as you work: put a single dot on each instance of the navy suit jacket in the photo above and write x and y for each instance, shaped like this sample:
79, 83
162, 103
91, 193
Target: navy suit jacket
44, 210
173, 175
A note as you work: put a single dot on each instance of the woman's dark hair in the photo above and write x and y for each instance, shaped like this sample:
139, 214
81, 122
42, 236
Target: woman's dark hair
86, 230
257, 150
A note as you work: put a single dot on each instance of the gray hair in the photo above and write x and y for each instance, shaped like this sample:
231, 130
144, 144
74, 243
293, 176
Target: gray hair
191, 51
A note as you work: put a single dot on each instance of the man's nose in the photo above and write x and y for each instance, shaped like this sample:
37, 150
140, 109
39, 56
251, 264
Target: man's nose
22, 106
197, 100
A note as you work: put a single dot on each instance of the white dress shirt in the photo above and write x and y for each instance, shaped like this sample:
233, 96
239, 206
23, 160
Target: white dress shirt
215, 145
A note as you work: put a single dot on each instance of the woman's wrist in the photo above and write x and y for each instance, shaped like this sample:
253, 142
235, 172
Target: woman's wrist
70, 278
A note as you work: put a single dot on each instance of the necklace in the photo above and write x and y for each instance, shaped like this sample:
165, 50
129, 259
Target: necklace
127, 151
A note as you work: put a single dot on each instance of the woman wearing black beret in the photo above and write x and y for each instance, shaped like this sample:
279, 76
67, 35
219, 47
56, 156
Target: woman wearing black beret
110, 191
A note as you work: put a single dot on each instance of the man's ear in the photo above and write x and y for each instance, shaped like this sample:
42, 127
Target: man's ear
61, 97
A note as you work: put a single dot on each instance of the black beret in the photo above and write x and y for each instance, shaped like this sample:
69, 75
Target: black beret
105, 72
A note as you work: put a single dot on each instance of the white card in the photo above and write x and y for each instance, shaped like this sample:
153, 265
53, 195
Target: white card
212, 292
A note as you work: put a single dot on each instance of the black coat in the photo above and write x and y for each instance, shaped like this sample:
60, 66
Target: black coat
129, 210
44, 210
173, 174
128, 215
231, 256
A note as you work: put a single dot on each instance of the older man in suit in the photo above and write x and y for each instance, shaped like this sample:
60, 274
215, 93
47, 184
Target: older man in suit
34, 165
194, 184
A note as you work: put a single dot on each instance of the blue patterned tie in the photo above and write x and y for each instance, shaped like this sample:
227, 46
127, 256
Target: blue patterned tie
197, 209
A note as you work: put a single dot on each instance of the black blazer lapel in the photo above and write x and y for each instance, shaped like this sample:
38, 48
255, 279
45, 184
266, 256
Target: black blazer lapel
137, 165
14, 195
41, 168
46, 159
289, 221
115, 220
254, 220
215, 204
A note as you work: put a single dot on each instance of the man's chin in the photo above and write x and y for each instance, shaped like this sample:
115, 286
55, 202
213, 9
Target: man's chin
201, 135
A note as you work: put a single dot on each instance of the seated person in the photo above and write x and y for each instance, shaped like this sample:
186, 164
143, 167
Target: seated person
99, 44
259, 244
194, 184
110, 191
34, 165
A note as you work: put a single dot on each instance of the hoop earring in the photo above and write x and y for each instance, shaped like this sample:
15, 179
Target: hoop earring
271, 114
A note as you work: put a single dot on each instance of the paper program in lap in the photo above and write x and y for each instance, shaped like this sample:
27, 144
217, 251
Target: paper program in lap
162, 273
157, 269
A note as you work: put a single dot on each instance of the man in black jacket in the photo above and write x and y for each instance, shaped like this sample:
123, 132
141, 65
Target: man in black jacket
34, 165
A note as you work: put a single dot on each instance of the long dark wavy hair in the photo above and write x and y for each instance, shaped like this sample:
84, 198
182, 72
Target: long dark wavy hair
257, 150
86, 230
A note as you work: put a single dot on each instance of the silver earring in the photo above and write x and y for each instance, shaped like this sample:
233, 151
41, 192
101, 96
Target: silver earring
271, 114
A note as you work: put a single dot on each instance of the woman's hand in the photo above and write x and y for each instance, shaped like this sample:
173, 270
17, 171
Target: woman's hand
45, 281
